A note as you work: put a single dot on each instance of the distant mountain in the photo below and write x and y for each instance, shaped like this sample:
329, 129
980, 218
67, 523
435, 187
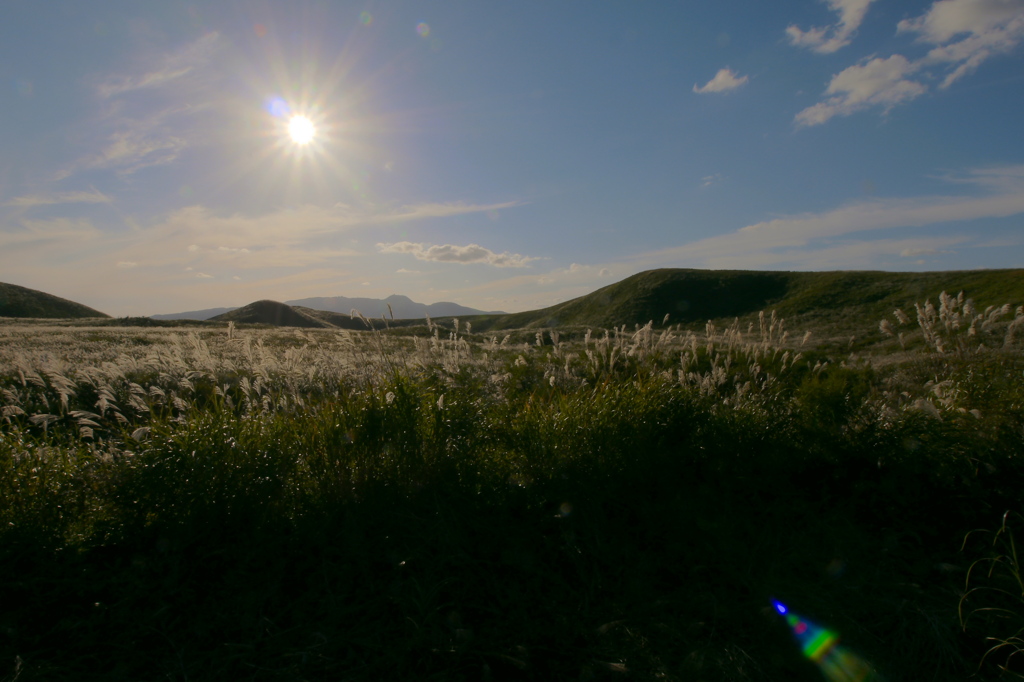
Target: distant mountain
18, 301
194, 314
270, 312
402, 307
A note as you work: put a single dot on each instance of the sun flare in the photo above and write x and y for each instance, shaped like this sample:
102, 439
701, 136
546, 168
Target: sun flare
301, 130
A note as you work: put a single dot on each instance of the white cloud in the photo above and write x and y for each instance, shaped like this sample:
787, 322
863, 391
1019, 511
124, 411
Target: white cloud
203, 275
878, 82
963, 33
984, 27
828, 39
948, 18
451, 253
723, 81
709, 180
29, 201
126, 264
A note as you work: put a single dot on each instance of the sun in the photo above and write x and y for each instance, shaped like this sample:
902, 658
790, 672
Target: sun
301, 130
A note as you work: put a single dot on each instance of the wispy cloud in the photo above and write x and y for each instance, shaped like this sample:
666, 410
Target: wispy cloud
293, 235
963, 33
828, 39
32, 200
725, 80
914, 252
166, 69
197, 246
799, 239
434, 210
145, 121
59, 235
451, 253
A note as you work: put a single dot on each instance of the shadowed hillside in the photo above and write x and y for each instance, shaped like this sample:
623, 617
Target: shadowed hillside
18, 301
339, 320
843, 300
273, 313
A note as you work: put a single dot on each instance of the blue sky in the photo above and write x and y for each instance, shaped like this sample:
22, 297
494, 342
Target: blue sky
501, 155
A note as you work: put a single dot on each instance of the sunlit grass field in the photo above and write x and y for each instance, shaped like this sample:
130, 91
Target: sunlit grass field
225, 503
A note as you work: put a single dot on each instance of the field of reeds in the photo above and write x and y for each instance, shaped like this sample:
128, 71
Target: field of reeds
437, 504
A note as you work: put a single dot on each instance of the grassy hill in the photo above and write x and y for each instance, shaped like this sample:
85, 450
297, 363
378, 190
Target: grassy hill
18, 301
841, 301
835, 303
272, 313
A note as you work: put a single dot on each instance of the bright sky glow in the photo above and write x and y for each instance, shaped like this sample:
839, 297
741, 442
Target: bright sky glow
480, 154
301, 129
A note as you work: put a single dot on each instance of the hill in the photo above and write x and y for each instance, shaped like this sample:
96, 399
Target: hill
18, 301
272, 313
842, 301
283, 315
837, 303
402, 307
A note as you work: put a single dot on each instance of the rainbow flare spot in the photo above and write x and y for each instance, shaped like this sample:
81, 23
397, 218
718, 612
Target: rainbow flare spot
423, 29
821, 646
278, 107
365, 18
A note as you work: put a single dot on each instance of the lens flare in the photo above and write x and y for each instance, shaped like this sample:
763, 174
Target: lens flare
278, 107
365, 18
821, 646
423, 29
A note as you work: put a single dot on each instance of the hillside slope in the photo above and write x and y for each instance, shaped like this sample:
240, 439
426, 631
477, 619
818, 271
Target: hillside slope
16, 301
272, 313
838, 303
843, 300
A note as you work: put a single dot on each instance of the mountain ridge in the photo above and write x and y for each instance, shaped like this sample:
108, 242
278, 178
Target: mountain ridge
402, 307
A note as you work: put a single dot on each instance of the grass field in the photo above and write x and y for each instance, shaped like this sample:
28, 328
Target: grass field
218, 503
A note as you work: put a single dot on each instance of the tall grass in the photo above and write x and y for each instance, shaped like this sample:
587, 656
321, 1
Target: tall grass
585, 503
